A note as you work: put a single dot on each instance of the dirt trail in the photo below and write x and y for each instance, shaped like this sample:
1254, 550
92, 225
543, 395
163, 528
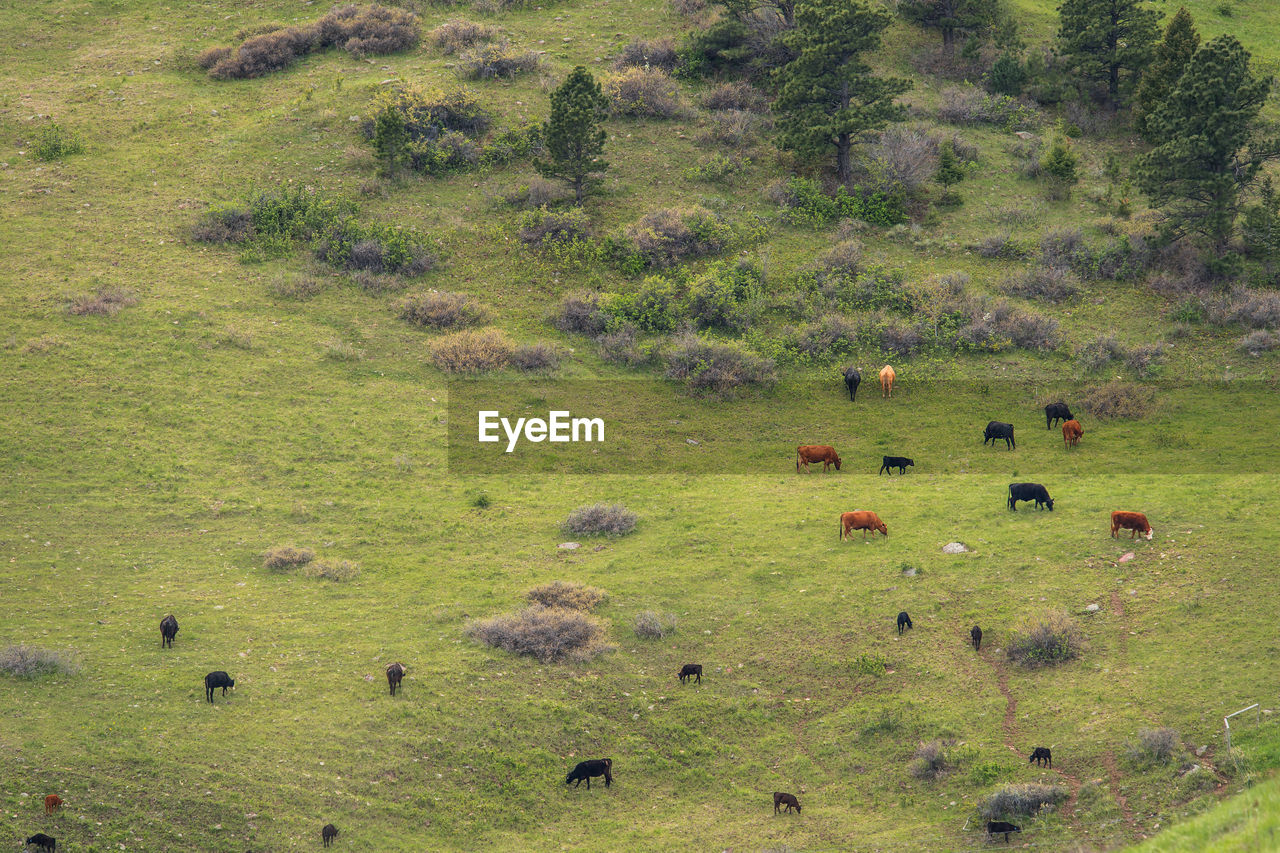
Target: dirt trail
1113, 775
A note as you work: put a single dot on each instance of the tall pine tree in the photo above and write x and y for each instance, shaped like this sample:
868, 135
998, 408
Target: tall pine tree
1172, 57
1107, 42
1213, 144
573, 136
828, 96
952, 18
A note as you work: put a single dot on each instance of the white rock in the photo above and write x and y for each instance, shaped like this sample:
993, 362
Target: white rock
1092, 608
569, 546
954, 548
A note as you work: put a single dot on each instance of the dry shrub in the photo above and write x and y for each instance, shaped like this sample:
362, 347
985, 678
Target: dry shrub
1001, 246
550, 634
442, 310
265, 53
1144, 359
286, 556
453, 36
538, 192
645, 92
1253, 309
1045, 640
571, 596
1260, 341
107, 302
1046, 284
714, 368
336, 350
580, 314
376, 284
736, 129
1021, 800
844, 257
212, 56
1155, 746
905, 157
472, 351
1119, 400
689, 8
223, 225
1099, 352
999, 325
1060, 247
660, 54
332, 570
534, 357
664, 237
542, 226
23, 661
898, 338
489, 61
930, 761
295, 287
737, 95
650, 625
600, 519
368, 30
832, 334
622, 346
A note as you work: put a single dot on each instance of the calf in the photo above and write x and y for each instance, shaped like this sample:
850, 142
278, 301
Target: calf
44, 842
395, 673
1041, 755
587, 769
886, 381
1055, 412
899, 462
1071, 433
1135, 521
861, 519
904, 622
781, 798
217, 679
329, 833
168, 630
975, 634
995, 827
690, 670
995, 431
823, 453
1029, 492
52, 803
852, 379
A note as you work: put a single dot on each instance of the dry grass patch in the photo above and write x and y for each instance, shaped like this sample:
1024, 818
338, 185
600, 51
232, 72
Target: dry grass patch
453, 36
106, 302
651, 625
284, 557
600, 519
442, 310
1021, 800
1119, 400
332, 570
571, 596
643, 92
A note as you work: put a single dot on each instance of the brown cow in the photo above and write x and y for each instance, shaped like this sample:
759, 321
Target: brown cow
1071, 433
52, 803
861, 519
815, 453
1135, 521
886, 381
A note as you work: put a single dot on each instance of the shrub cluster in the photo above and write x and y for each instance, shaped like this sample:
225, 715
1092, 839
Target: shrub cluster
56, 142
643, 92
665, 237
375, 248
332, 570
1253, 309
571, 596
1021, 800
1119, 400
284, 557
1001, 246
1257, 342
106, 302
1121, 258
600, 519
970, 105
1045, 284
804, 203
738, 130
1099, 352
543, 226
23, 661
550, 634
715, 368
716, 167
472, 351
930, 761
497, 59
443, 310
531, 358
299, 287
453, 36
736, 95
1155, 746
660, 54
581, 314
622, 346
1045, 640
651, 625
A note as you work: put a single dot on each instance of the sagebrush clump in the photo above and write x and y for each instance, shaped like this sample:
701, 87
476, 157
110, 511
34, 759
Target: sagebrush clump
662, 238
600, 519
1155, 746
651, 625
707, 367
930, 760
453, 36
572, 596
1119, 400
332, 570
1021, 800
496, 59
286, 557
472, 351
443, 310
23, 661
535, 357
643, 92
1045, 640
549, 634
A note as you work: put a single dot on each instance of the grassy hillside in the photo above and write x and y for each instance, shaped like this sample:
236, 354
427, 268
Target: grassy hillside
152, 456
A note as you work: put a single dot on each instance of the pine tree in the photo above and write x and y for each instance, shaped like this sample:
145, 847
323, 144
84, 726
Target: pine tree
1213, 146
952, 18
950, 169
1062, 166
1172, 57
573, 136
1105, 39
827, 95
1260, 228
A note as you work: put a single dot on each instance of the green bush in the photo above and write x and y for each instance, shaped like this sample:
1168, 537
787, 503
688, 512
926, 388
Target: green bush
56, 142
805, 203
718, 369
727, 297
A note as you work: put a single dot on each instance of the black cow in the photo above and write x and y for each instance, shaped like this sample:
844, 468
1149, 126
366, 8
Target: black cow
168, 630
899, 462
1041, 754
395, 673
44, 842
1055, 412
690, 670
781, 798
1029, 492
852, 379
329, 833
214, 680
587, 769
904, 622
996, 431
975, 634
995, 827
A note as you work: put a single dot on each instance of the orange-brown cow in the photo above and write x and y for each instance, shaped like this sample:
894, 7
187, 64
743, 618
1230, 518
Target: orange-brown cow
823, 453
861, 519
886, 381
1071, 433
52, 803
1135, 521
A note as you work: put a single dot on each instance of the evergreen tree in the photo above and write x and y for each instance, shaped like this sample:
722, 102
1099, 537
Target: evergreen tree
1212, 148
1172, 57
1062, 167
828, 96
1007, 75
573, 136
952, 18
390, 138
1103, 39
1260, 228
950, 169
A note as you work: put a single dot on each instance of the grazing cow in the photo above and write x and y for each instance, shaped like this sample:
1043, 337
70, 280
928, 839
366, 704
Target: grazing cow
395, 672
1135, 521
861, 519
217, 679
816, 453
1041, 755
995, 431
1071, 433
975, 634
1029, 492
690, 670
42, 841
781, 798
852, 379
168, 630
52, 803
995, 827
886, 381
329, 833
1055, 412
904, 622
587, 769
899, 462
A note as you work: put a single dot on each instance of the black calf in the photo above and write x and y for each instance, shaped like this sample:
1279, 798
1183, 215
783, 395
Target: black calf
44, 842
1029, 492
781, 798
587, 769
995, 431
904, 622
1055, 412
690, 670
995, 827
899, 462
168, 630
217, 679
1041, 754
329, 833
975, 634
